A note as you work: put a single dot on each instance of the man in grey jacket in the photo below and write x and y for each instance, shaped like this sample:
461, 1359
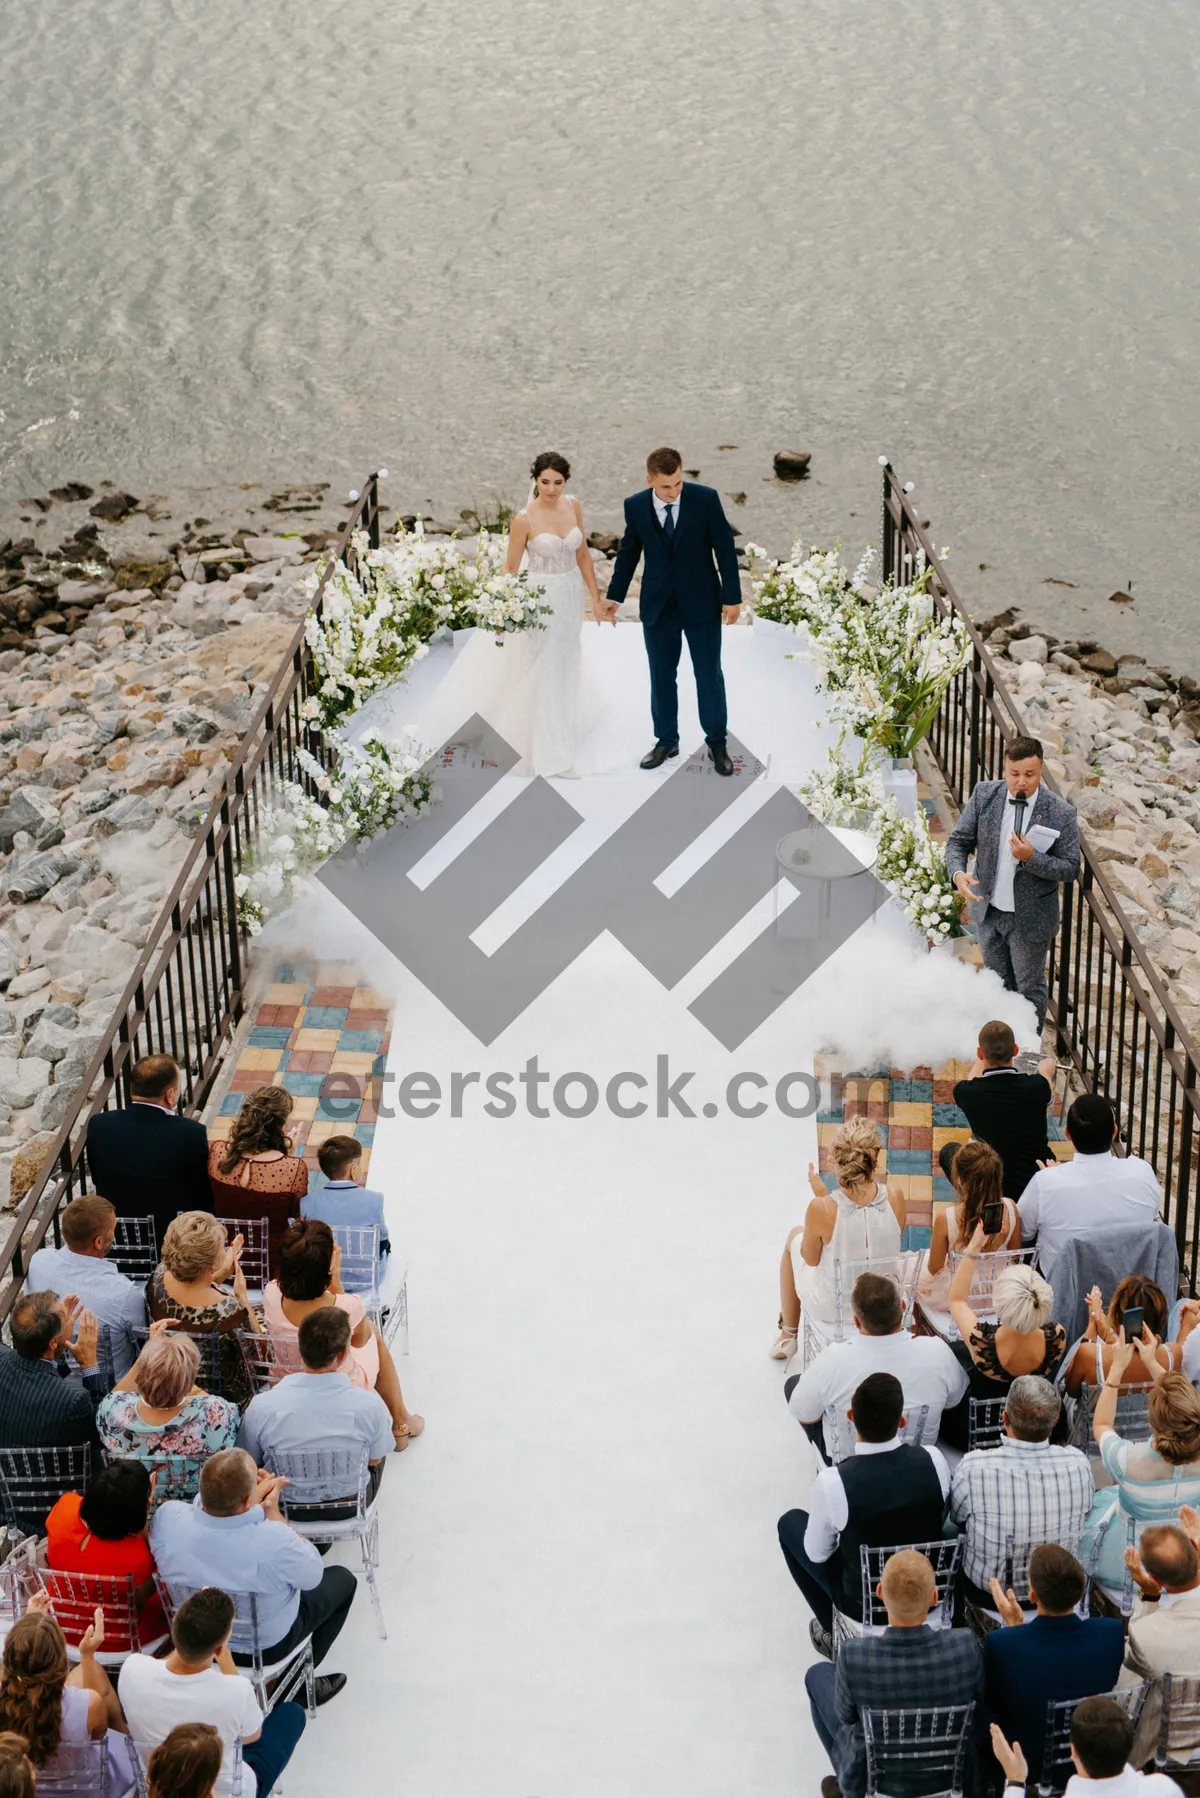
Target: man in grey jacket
1026, 844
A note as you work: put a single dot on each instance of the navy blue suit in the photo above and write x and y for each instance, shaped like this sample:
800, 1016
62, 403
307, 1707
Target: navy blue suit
685, 581
1047, 1658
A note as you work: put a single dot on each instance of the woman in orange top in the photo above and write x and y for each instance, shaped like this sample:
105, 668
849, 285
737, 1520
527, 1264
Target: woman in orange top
103, 1530
256, 1174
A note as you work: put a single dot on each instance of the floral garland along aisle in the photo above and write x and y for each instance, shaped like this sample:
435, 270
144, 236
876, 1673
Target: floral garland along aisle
373, 626
886, 659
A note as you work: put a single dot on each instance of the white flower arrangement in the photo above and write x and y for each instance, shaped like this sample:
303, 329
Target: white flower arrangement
909, 863
295, 835
886, 658
378, 621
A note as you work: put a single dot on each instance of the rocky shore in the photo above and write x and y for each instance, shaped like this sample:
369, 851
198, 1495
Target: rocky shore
137, 638
1121, 741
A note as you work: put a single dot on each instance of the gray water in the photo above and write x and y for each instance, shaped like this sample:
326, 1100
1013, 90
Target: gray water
290, 241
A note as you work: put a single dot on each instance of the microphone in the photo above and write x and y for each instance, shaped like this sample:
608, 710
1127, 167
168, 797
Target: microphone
1018, 813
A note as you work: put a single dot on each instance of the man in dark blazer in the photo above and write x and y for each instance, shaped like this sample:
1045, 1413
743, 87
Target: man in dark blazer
146, 1160
1055, 1655
1026, 844
690, 582
908, 1667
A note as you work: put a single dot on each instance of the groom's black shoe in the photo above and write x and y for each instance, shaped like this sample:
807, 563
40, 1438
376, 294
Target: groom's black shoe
720, 758
662, 752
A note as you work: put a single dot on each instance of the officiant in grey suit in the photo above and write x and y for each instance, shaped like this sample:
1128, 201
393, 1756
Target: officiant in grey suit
1026, 844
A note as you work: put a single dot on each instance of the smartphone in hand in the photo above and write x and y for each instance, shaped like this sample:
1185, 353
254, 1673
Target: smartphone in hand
1132, 1319
992, 1217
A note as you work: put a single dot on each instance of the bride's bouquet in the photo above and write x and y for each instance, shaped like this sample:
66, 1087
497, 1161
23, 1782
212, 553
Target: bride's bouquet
508, 602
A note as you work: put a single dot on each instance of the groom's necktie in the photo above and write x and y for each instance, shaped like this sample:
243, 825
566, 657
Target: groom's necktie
669, 522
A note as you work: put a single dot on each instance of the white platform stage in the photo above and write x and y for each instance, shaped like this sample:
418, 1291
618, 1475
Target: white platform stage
581, 1576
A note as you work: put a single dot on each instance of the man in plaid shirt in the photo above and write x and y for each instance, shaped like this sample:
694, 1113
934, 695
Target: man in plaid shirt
908, 1667
1029, 1489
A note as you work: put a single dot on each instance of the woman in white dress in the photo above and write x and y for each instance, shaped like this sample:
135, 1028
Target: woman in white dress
529, 686
862, 1221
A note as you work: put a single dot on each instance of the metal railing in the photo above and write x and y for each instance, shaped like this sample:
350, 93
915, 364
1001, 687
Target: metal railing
1112, 1015
187, 993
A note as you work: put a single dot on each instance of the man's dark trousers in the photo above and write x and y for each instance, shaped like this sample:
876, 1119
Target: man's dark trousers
820, 1581
281, 1730
664, 643
322, 1613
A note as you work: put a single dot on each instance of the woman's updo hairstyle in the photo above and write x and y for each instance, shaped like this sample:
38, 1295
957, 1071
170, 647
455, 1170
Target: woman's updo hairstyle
855, 1151
550, 459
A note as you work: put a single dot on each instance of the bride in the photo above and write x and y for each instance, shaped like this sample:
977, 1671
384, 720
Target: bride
529, 686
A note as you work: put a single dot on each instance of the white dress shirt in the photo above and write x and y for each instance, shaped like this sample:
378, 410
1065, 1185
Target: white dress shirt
660, 509
927, 1368
1090, 1192
829, 1509
1127, 1784
1006, 862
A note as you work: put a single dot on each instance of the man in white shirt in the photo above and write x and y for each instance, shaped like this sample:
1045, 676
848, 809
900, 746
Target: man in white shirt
1094, 1191
1101, 1741
888, 1494
932, 1378
198, 1683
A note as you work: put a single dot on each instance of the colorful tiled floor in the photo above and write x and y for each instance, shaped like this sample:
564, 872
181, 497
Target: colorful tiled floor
915, 1114
322, 1036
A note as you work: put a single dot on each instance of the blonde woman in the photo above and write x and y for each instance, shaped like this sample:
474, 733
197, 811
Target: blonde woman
861, 1221
189, 1286
1023, 1339
257, 1173
1151, 1479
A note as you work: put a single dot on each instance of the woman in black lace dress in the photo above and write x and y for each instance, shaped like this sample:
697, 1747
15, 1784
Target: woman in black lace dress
1022, 1340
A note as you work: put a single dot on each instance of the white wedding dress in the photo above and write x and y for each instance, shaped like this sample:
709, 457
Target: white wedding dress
528, 685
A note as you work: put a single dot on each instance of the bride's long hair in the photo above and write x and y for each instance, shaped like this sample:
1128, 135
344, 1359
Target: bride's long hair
547, 459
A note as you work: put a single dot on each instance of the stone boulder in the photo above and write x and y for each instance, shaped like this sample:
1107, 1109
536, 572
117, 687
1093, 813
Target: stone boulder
1029, 649
792, 465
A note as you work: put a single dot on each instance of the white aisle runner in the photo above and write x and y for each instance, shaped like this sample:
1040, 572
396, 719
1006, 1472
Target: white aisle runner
581, 1576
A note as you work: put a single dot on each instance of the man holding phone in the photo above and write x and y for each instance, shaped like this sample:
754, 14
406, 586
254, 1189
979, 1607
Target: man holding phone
1005, 1107
1026, 844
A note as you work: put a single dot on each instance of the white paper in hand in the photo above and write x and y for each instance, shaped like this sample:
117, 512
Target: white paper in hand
1041, 836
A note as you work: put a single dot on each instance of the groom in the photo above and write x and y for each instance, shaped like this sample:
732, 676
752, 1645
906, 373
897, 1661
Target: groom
691, 567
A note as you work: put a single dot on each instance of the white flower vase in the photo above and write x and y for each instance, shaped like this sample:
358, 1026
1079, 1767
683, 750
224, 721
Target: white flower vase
900, 782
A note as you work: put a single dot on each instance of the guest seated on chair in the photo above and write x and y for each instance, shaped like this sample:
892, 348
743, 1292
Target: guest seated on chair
863, 1220
198, 1682
104, 1531
18, 1775
189, 1285
344, 1200
82, 1267
908, 1667
158, 1409
234, 1535
51, 1703
1092, 1361
39, 1406
1151, 1479
1053, 1655
1101, 1744
145, 1158
310, 1280
925, 1366
187, 1764
1021, 1341
1164, 1630
975, 1173
1028, 1488
1006, 1108
257, 1174
886, 1494
321, 1407
1091, 1192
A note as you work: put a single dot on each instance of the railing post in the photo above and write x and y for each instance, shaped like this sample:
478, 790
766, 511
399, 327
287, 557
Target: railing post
887, 540
231, 909
372, 509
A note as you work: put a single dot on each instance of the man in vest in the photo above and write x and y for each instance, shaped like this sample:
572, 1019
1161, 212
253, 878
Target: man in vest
888, 1494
